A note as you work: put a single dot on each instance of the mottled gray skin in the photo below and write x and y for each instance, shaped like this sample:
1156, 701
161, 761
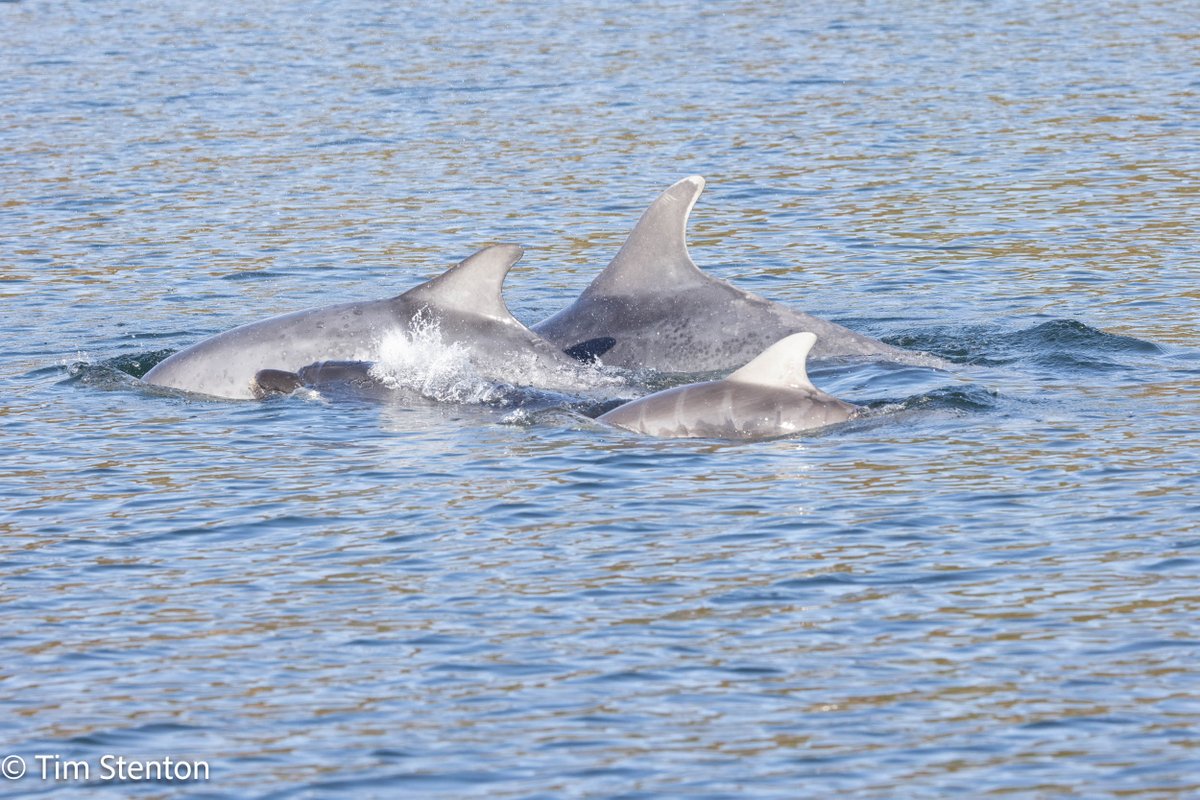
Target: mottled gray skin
728, 410
653, 308
771, 396
465, 302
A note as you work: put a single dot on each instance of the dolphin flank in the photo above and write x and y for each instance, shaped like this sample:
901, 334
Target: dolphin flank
652, 307
342, 378
464, 302
770, 396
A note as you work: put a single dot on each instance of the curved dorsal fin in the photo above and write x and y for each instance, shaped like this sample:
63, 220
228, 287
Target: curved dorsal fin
655, 256
473, 285
781, 364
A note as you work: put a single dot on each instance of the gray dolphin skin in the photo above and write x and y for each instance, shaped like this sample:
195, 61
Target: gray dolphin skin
653, 308
464, 302
351, 377
771, 396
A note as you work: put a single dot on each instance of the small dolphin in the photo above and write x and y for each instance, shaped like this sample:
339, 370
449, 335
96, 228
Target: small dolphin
652, 307
770, 396
363, 381
337, 378
464, 302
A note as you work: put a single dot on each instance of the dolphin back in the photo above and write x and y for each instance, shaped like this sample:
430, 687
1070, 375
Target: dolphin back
771, 396
653, 308
465, 302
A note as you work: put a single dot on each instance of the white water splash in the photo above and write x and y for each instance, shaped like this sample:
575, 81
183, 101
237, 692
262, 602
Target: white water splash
526, 369
421, 360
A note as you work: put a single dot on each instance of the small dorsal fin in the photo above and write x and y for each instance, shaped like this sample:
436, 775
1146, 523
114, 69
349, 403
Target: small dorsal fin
781, 364
655, 255
473, 285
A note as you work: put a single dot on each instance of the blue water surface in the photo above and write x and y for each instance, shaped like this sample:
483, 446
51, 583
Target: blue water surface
986, 588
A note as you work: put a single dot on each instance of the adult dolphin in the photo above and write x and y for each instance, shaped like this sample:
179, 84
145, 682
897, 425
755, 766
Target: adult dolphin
464, 302
653, 307
770, 396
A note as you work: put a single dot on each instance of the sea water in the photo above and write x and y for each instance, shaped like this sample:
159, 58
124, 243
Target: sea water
986, 587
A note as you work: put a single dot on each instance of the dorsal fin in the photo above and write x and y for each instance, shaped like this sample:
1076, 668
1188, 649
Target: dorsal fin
655, 256
473, 285
781, 364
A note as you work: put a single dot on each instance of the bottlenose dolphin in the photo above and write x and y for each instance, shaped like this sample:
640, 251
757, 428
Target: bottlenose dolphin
652, 307
464, 302
358, 381
770, 396
352, 378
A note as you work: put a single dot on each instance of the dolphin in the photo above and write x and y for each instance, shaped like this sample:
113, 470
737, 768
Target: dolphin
652, 307
770, 396
359, 381
340, 378
463, 302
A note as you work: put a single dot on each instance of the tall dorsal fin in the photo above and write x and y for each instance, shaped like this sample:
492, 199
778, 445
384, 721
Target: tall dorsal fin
655, 256
781, 364
473, 286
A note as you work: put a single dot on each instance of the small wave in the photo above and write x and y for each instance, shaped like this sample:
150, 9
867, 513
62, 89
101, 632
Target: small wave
1060, 342
119, 372
137, 364
965, 398
957, 399
1070, 334
559, 416
945, 402
252, 275
105, 375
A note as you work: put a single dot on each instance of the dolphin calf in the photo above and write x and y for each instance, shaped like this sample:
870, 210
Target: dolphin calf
770, 396
464, 303
653, 307
339, 378
363, 381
